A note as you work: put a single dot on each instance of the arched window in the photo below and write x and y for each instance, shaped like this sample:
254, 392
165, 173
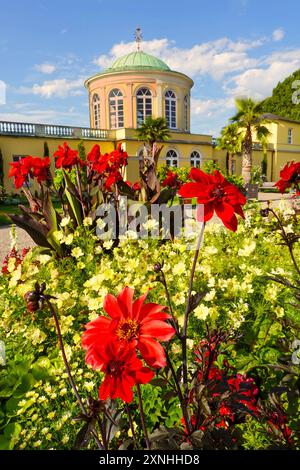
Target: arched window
195, 159
143, 105
116, 109
170, 109
186, 112
172, 158
96, 110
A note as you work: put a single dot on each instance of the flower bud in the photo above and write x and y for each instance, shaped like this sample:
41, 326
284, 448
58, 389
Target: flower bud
264, 212
157, 267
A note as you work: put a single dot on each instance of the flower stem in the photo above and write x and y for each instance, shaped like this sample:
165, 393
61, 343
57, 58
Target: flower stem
286, 239
186, 318
80, 189
164, 283
68, 370
142, 415
130, 423
179, 392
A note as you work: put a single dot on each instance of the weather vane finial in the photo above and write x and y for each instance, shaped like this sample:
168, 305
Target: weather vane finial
138, 37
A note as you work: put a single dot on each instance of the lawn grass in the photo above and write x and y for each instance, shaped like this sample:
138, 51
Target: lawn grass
5, 210
14, 209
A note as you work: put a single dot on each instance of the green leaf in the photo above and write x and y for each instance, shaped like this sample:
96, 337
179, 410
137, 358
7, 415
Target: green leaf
25, 386
54, 242
12, 430
166, 195
12, 406
70, 190
36, 230
49, 212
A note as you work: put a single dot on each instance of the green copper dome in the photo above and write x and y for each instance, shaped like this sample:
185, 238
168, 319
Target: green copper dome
138, 61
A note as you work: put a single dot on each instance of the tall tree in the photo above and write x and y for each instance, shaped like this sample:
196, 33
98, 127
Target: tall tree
285, 98
151, 132
249, 117
81, 150
46, 150
231, 140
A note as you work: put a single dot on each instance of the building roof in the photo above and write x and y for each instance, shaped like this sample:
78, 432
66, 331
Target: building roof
276, 117
138, 60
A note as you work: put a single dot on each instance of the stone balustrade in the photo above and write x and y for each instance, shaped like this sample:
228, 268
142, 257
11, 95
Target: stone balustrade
50, 130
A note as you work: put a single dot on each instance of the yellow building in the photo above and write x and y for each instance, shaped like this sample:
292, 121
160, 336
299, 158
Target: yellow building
120, 98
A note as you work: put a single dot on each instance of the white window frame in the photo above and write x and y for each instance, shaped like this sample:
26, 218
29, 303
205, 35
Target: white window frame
290, 136
96, 111
143, 105
171, 109
116, 109
186, 112
196, 160
172, 158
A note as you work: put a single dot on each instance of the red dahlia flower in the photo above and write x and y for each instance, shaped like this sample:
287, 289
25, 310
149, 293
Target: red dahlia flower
66, 158
134, 324
289, 177
122, 370
217, 195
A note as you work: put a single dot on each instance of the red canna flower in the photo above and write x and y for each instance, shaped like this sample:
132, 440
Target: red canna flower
135, 186
133, 323
21, 171
94, 155
66, 158
122, 370
289, 177
107, 166
41, 168
217, 195
29, 167
172, 181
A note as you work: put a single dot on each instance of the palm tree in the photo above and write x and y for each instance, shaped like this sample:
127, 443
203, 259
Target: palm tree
152, 131
250, 118
231, 140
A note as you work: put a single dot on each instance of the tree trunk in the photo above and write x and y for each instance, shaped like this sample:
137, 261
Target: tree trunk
247, 157
228, 163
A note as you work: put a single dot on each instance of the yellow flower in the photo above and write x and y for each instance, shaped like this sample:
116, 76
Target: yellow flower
108, 244
65, 221
77, 252
69, 239
179, 269
65, 439
87, 221
201, 312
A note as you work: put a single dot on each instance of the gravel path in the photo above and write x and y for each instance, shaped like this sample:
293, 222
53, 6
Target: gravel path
24, 240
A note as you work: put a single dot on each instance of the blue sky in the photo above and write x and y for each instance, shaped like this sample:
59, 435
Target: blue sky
230, 48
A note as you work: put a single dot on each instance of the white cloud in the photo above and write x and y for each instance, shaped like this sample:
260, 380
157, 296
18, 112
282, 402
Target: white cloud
45, 68
60, 88
49, 116
259, 82
210, 107
278, 34
216, 58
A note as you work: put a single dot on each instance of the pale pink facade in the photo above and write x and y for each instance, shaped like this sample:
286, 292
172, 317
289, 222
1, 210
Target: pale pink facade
129, 84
